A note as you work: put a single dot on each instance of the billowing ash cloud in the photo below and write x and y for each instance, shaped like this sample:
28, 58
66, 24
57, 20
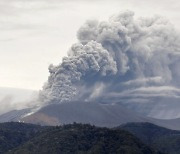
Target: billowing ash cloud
124, 59
84, 61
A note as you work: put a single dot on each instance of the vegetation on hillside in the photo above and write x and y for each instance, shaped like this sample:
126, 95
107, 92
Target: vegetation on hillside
83, 139
14, 134
159, 138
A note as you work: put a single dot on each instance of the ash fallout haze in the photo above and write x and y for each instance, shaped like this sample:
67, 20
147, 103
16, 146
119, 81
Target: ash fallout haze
131, 58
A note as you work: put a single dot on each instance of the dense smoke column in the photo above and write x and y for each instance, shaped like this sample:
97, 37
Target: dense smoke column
122, 57
134, 43
83, 60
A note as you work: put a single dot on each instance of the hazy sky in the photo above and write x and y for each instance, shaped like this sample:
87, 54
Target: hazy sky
36, 33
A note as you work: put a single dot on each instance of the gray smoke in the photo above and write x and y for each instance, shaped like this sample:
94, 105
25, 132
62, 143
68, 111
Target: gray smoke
84, 61
17, 99
124, 59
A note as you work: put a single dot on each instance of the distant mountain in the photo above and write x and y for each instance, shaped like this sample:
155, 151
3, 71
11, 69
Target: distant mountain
14, 115
83, 139
173, 124
104, 115
159, 138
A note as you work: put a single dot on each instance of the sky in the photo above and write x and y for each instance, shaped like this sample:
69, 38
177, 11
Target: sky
36, 33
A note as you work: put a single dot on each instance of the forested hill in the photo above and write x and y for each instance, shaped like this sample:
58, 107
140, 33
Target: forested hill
20, 138
14, 134
161, 139
84, 139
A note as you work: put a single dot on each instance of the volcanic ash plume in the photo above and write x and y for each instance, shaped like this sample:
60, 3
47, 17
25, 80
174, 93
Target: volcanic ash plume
118, 59
87, 60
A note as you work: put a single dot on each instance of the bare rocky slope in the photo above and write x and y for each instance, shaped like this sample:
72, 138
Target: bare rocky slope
104, 115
